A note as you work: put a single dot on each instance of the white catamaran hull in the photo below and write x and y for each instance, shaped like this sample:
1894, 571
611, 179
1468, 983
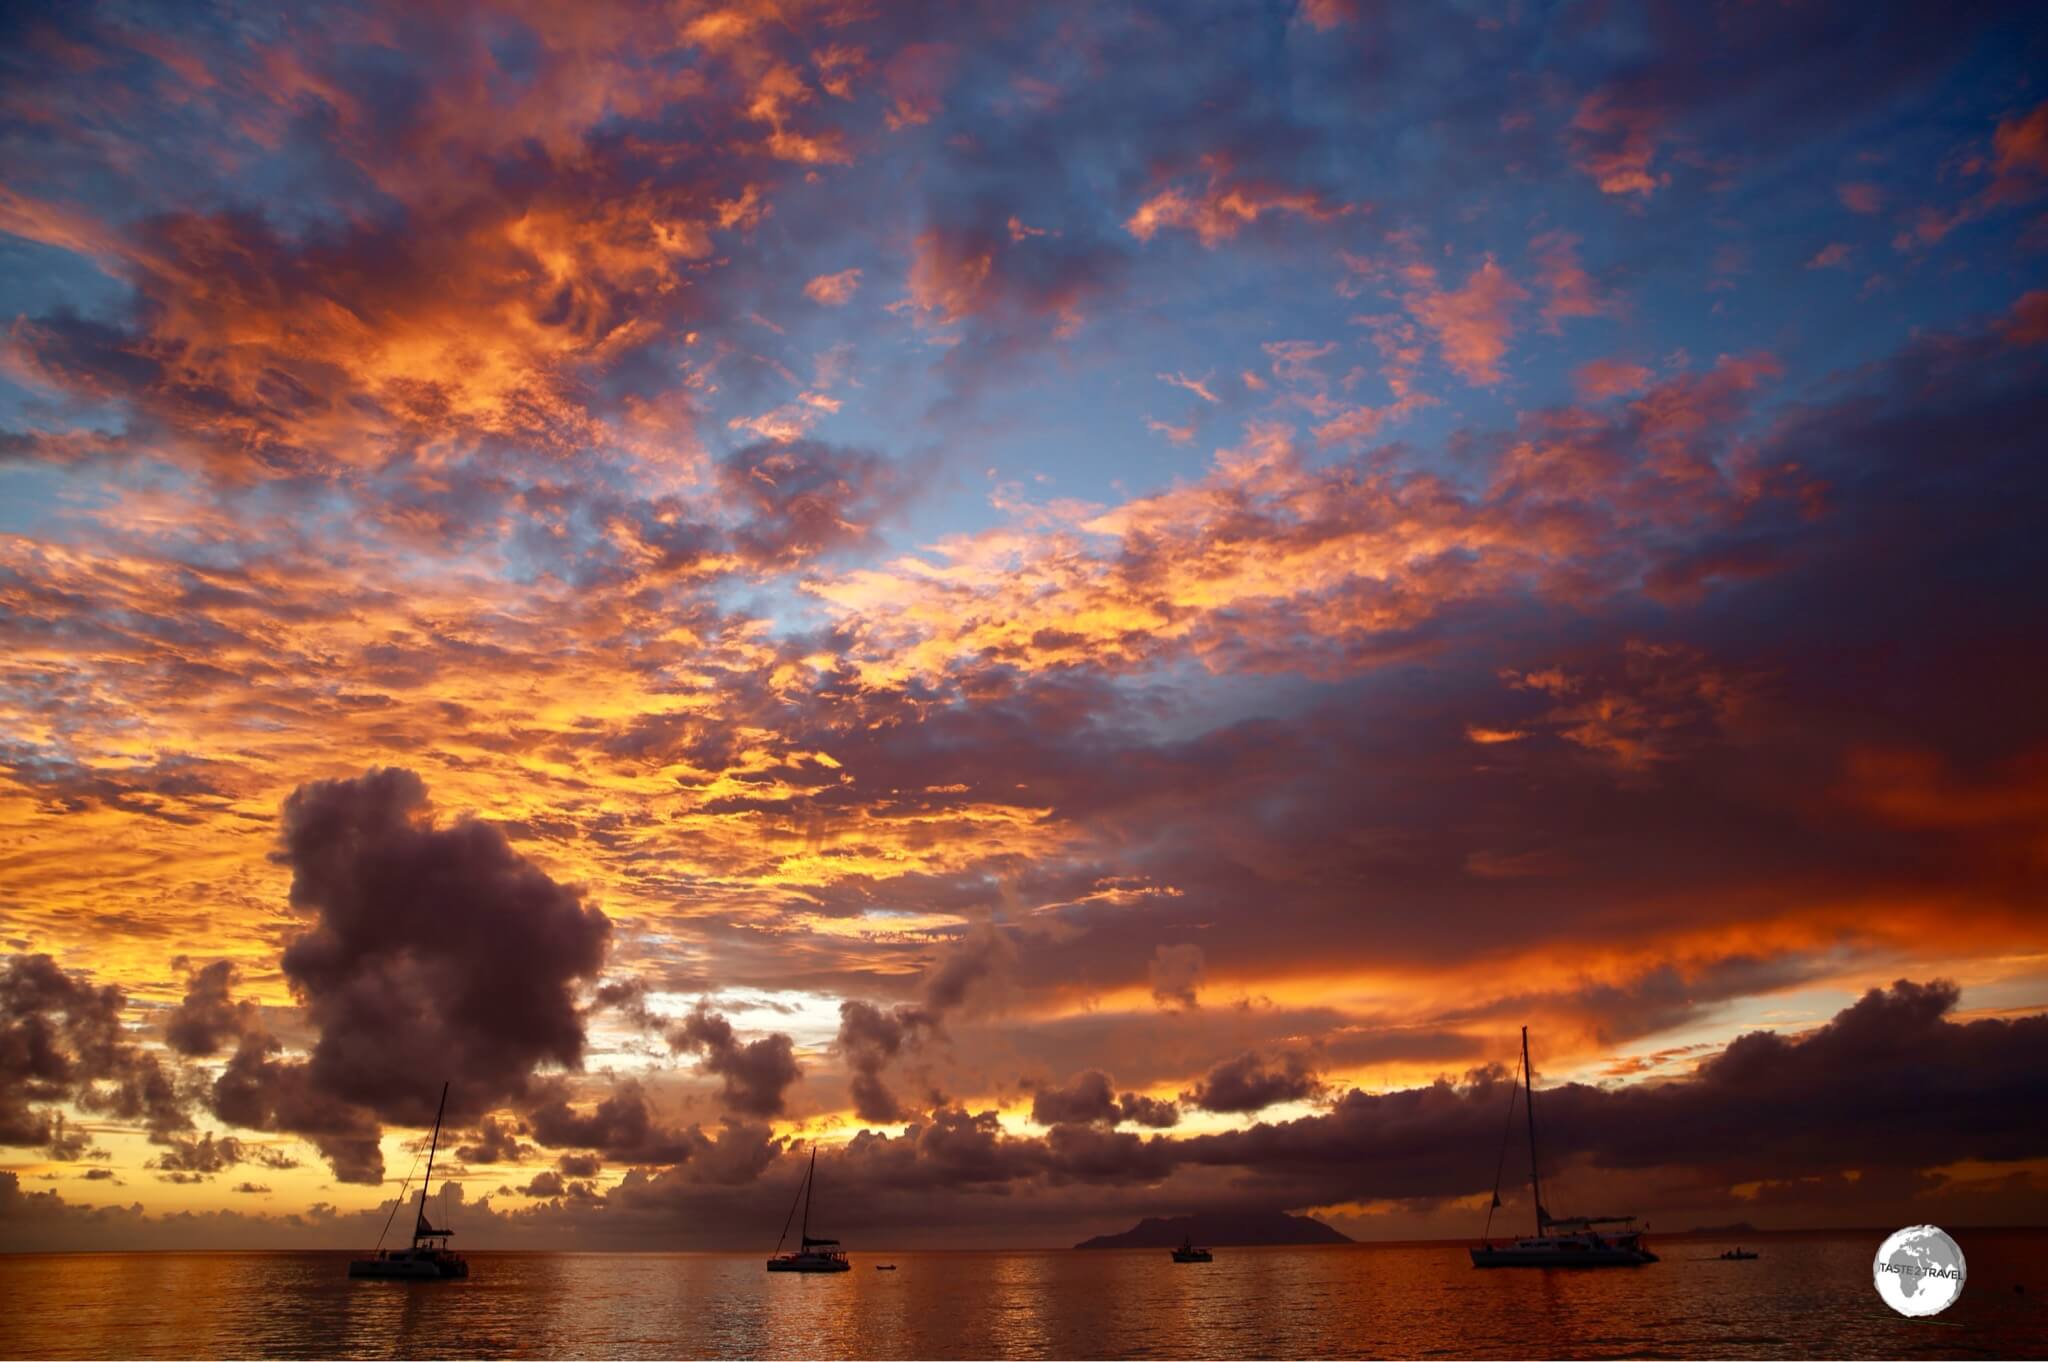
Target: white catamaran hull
402, 1269
1570, 1253
812, 1263
1559, 1241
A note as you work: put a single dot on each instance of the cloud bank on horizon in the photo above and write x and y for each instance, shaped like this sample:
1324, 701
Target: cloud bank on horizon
1091, 607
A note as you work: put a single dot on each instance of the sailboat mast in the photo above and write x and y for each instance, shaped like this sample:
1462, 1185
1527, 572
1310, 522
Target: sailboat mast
428, 1181
810, 1178
1529, 1087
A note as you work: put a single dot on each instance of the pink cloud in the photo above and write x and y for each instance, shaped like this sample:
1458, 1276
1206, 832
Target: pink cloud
833, 290
1615, 145
1833, 256
1225, 205
1572, 292
1472, 324
1324, 15
1860, 197
2028, 324
948, 276
2019, 151
1600, 379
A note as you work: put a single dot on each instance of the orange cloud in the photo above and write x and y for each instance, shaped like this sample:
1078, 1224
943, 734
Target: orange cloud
1224, 205
949, 276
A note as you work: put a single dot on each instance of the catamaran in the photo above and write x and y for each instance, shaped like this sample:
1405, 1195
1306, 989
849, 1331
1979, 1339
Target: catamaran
810, 1255
1559, 1241
429, 1258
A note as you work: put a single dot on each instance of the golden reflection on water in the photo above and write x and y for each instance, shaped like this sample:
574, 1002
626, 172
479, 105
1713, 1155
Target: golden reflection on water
1809, 1295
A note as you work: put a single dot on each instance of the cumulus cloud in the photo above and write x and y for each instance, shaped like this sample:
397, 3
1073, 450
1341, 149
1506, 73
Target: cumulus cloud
207, 1016
442, 934
1088, 1098
623, 1127
1250, 1082
755, 1074
61, 1040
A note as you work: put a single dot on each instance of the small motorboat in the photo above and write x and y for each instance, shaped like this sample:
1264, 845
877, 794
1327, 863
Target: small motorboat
1737, 1255
1188, 1253
885, 1267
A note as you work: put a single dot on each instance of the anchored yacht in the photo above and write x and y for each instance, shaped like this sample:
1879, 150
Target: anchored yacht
429, 1258
810, 1255
1559, 1241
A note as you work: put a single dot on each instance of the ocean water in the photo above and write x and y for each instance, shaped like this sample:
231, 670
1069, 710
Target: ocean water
1808, 1295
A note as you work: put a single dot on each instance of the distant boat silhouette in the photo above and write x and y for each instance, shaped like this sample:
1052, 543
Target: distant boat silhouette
811, 1255
1559, 1241
1188, 1253
1737, 1255
434, 1262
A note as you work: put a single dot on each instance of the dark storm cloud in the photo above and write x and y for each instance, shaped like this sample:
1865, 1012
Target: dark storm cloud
204, 1155
260, 1092
1891, 1084
441, 934
546, 1183
207, 1017
497, 1141
755, 1074
61, 1040
1089, 1098
1251, 1083
1086, 1099
1138, 1109
868, 1039
622, 1127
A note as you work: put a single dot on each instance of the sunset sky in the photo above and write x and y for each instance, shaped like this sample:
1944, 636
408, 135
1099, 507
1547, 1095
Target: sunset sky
1089, 604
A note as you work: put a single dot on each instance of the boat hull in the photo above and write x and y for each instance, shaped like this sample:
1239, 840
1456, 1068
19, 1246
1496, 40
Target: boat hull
408, 1269
1198, 1256
809, 1265
1587, 1256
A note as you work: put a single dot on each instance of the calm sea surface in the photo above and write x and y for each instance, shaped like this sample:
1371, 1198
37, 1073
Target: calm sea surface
1809, 1295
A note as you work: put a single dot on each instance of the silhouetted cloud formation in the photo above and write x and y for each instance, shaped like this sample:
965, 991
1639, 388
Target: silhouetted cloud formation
755, 1074
1251, 1082
207, 1017
61, 1040
441, 934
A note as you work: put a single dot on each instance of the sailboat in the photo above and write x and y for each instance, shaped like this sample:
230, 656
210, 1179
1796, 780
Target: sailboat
429, 1258
810, 1255
1559, 1241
